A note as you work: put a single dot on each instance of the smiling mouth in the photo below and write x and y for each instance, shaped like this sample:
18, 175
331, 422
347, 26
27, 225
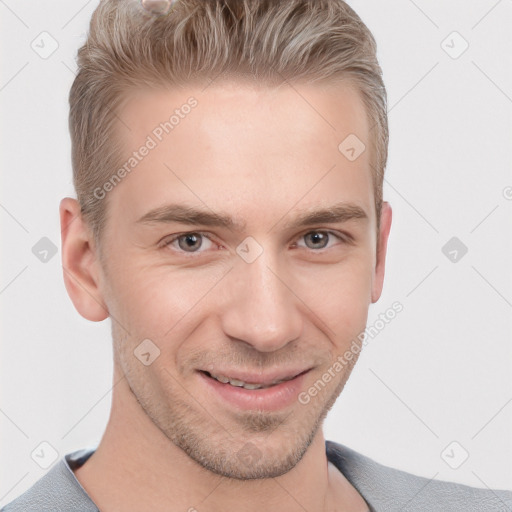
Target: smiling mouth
246, 385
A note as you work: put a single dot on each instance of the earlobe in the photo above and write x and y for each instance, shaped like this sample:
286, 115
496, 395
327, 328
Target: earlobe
80, 263
385, 226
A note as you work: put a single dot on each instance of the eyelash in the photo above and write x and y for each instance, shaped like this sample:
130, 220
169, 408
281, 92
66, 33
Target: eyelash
343, 238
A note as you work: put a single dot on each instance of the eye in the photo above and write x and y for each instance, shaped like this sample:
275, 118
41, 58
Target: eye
197, 242
189, 242
321, 239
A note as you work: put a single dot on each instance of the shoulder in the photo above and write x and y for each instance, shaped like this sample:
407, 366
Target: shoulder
58, 490
385, 488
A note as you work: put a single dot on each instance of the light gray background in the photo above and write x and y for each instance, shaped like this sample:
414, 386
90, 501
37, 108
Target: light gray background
439, 372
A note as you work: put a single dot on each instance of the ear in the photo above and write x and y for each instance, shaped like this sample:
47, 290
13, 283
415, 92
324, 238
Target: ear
80, 264
382, 244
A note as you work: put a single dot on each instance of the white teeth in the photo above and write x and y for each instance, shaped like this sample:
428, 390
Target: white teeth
252, 386
242, 384
235, 382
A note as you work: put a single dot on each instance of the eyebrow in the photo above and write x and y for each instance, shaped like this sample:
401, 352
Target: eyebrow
339, 212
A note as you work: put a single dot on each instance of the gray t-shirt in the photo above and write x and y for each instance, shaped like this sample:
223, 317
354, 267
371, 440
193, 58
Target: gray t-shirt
383, 488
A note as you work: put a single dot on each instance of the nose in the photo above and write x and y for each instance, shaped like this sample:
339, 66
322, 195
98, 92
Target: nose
259, 306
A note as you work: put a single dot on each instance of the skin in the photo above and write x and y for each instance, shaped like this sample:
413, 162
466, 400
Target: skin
260, 155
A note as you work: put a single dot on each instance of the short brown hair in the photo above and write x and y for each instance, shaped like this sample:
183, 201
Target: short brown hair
268, 40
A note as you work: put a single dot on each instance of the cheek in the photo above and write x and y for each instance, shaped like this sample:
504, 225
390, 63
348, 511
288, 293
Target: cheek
158, 301
339, 296
155, 301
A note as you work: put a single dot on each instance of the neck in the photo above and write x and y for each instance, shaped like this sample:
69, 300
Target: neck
135, 462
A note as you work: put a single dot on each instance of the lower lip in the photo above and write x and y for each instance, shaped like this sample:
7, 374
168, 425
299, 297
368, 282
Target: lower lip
269, 399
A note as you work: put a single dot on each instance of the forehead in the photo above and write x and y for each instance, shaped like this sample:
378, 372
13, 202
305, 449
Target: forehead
244, 146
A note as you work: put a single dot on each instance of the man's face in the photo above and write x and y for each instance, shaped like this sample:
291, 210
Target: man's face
281, 304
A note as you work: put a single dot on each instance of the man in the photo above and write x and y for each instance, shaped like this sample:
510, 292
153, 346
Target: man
228, 159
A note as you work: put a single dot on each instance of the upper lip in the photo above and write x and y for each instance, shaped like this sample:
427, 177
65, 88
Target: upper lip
251, 377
